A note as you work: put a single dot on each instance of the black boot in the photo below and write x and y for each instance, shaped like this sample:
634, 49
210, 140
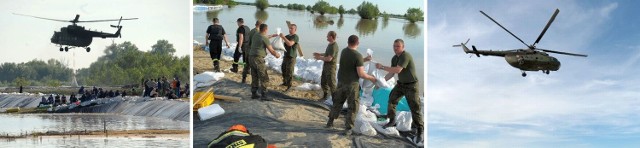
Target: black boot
329, 123
254, 94
244, 79
265, 98
324, 95
392, 122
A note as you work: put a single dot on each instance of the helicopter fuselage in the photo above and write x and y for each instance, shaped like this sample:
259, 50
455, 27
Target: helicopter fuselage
72, 36
531, 60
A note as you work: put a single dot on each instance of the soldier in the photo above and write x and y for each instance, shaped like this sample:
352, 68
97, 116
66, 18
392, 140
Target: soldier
289, 60
330, 56
243, 44
247, 68
216, 34
403, 65
351, 69
259, 78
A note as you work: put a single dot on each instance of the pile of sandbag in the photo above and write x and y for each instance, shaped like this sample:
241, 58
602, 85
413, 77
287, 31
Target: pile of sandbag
207, 78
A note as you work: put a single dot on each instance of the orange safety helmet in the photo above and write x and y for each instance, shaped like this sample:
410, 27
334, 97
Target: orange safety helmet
238, 127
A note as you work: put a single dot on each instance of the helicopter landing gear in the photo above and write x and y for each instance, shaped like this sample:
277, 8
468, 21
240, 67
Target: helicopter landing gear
88, 49
61, 49
66, 49
546, 72
524, 74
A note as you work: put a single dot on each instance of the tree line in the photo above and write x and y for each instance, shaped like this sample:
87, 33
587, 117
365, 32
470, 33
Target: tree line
34, 72
125, 64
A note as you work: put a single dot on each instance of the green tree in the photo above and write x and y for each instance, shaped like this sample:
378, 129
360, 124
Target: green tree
321, 7
309, 8
367, 10
163, 47
414, 15
20, 81
341, 10
262, 4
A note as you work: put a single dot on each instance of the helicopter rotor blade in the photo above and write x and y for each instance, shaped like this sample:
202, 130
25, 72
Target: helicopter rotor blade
107, 20
565, 53
553, 17
42, 17
505, 29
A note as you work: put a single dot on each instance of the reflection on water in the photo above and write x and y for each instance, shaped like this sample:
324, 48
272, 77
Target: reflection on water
340, 22
262, 15
212, 14
14, 124
385, 23
367, 27
411, 30
321, 22
80, 141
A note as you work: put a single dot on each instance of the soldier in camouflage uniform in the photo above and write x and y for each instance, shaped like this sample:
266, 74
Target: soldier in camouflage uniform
246, 55
351, 70
407, 85
330, 58
259, 77
289, 61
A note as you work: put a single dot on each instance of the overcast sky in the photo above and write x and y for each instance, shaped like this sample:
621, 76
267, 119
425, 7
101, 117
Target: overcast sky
23, 39
484, 102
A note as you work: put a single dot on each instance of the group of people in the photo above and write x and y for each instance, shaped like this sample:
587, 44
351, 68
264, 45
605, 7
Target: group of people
161, 87
255, 45
86, 95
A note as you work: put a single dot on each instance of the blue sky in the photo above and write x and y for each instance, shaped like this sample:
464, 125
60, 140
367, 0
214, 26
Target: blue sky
484, 102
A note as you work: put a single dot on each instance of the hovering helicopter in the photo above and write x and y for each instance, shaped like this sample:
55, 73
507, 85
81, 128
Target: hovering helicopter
77, 36
529, 59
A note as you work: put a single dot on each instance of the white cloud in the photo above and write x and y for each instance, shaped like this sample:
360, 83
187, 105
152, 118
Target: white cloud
477, 96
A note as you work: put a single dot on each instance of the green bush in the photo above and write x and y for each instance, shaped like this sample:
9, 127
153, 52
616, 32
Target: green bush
262, 4
341, 10
367, 10
414, 15
321, 7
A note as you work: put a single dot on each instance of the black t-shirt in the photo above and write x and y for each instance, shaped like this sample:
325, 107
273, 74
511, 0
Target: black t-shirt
244, 30
215, 32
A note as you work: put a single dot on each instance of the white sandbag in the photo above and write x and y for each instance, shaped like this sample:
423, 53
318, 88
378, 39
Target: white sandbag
207, 77
210, 111
307, 87
403, 121
329, 102
390, 131
365, 128
380, 80
277, 43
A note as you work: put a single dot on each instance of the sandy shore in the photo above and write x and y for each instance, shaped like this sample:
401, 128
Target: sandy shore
294, 119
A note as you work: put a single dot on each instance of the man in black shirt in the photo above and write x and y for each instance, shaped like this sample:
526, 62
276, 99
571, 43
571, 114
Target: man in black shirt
216, 34
242, 36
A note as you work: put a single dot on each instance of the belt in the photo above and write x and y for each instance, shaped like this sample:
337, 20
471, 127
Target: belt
407, 83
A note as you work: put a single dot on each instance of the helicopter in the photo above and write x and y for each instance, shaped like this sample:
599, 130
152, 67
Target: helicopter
527, 59
77, 36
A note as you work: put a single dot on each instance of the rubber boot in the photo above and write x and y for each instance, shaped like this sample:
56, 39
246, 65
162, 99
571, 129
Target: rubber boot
254, 94
329, 123
244, 79
392, 122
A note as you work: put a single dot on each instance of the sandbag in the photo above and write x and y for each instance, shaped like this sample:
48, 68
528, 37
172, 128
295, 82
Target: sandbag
363, 122
381, 97
307, 87
207, 77
277, 43
403, 121
390, 131
210, 111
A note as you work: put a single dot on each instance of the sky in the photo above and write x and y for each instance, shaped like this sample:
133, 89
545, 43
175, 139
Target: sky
392, 7
25, 38
484, 102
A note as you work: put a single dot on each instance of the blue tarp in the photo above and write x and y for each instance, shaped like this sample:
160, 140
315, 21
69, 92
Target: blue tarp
381, 97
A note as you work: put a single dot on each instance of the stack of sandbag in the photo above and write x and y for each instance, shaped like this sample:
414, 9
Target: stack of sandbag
364, 119
207, 78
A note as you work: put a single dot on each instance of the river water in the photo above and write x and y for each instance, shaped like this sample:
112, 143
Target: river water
377, 35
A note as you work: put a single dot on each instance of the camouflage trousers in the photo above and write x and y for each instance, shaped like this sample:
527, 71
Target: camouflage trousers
245, 58
410, 91
288, 64
259, 77
348, 93
328, 78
